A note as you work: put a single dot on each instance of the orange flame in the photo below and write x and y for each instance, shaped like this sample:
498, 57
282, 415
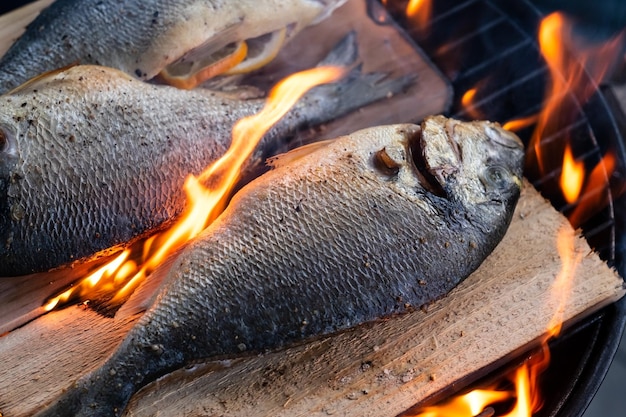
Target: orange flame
572, 176
519, 124
204, 203
594, 195
526, 393
468, 101
573, 79
419, 11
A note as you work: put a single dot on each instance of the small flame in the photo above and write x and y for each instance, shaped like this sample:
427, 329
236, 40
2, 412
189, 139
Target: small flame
204, 204
519, 124
525, 393
594, 195
468, 405
419, 11
572, 176
468, 101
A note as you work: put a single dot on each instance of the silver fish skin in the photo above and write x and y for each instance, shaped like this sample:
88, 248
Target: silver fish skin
373, 224
91, 159
142, 37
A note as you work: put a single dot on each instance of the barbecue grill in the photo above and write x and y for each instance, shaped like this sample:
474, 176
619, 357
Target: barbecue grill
492, 43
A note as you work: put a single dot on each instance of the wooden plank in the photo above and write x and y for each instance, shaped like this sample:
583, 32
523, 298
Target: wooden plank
379, 369
12, 24
376, 370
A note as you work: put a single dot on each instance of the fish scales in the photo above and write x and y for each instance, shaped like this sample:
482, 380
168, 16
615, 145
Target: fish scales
91, 158
323, 243
142, 37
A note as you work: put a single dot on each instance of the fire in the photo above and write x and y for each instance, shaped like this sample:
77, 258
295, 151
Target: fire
572, 80
519, 124
130, 267
525, 392
575, 72
468, 101
419, 11
594, 193
572, 176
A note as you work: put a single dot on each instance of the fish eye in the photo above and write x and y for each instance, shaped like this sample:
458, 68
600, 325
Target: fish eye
497, 176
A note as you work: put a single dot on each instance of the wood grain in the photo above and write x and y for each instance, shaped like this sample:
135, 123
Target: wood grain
12, 24
379, 369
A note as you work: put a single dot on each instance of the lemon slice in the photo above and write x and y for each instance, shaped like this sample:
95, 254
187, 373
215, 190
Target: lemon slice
188, 74
261, 50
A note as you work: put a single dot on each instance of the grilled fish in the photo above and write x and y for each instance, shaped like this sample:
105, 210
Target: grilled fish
91, 158
186, 41
364, 227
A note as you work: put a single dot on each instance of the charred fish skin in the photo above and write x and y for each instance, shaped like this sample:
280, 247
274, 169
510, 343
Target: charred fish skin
345, 235
142, 37
93, 158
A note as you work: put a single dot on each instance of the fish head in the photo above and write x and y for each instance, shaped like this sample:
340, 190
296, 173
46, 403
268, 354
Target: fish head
474, 163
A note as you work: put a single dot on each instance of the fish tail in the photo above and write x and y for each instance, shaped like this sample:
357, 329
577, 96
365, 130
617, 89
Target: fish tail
354, 91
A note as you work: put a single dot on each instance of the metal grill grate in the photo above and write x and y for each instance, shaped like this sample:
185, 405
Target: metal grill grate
491, 44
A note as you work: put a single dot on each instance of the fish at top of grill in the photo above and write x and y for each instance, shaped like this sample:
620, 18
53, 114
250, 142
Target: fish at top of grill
369, 225
91, 158
185, 41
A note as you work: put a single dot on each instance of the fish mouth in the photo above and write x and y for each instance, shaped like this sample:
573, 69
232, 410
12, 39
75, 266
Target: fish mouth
216, 58
422, 169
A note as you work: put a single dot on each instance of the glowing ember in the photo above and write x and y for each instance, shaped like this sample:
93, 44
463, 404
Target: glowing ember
204, 204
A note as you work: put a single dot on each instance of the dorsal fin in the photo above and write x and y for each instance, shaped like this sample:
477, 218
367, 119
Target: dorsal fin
39, 78
297, 153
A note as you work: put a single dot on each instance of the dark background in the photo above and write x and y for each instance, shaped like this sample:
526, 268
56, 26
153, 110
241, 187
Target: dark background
609, 13
7, 5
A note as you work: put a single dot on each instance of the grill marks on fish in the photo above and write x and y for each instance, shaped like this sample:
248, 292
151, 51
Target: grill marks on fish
324, 242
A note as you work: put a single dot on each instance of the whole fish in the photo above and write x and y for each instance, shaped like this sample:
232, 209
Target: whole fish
373, 224
91, 158
186, 41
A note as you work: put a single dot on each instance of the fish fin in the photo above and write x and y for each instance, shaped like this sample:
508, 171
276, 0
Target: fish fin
355, 90
288, 157
345, 53
40, 79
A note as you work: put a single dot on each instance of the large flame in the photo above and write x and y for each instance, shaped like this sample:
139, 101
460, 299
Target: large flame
575, 72
130, 267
